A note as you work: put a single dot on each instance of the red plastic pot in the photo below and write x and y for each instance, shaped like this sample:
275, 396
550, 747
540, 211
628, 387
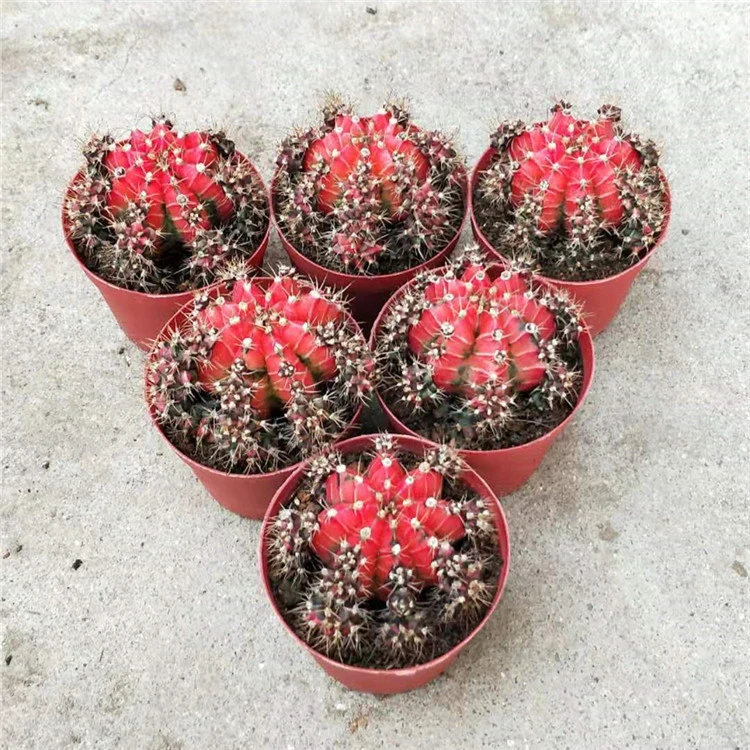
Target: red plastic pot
246, 495
504, 469
140, 315
601, 299
368, 293
388, 681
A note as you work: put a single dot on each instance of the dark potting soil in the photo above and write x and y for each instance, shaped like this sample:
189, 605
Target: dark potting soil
529, 421
289, 597
493, 219
391, 261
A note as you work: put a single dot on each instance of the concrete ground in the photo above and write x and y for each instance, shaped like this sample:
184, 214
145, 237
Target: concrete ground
625, 622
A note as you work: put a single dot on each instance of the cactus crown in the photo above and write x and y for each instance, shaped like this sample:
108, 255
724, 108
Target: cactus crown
368, 195
165, 211
385, 558
478, 356
572, 199
260, 375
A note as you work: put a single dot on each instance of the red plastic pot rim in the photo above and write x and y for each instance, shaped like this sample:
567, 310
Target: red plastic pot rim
258, 252
585, 344
418, 446
387, 280
480, 167
172, 324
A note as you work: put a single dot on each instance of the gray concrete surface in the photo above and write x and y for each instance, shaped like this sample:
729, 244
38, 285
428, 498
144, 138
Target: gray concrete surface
625, 623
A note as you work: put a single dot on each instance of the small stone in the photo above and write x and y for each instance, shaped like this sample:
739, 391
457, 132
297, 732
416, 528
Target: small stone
77, 564
179, 86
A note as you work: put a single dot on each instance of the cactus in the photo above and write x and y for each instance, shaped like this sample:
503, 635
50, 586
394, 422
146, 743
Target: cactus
259, 377
572, 199
368, 195
390, 558
164, 211
480, 356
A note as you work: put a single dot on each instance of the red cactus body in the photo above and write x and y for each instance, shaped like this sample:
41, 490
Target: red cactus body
270, 331
394, 517
171, 173
370, 143
567, 161
478, 332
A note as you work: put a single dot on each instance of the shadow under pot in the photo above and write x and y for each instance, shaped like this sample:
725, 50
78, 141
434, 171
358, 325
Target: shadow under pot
581, 204
384, 560
156, 216
251, 378
491, 362
363, 204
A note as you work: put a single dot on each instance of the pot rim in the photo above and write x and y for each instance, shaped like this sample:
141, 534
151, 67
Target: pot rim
414, 445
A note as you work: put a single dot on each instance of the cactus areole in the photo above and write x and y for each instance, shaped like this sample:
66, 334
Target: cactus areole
259, 375
384, 558
572, 199
165, 211
368, 195
479, 356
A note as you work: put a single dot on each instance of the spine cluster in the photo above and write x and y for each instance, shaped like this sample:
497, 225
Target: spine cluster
391, 557
477, 352
570, 198
163, 211
260, 376
366, 195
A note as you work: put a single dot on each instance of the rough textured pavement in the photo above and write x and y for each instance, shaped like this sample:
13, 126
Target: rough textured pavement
625, 622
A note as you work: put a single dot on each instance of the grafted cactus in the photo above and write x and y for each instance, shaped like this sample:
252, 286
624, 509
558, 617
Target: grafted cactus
162, 210
480, 356
390, 557
260, 377
369, 194
573, 199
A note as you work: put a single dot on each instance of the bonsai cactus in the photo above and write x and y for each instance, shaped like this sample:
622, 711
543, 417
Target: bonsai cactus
569, 198
479, 356
260, 376
164, 211
384, 559
368, 195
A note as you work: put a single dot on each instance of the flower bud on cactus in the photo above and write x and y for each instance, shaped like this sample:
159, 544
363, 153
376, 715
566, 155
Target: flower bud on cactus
386, 552
162, 210
260, 376
571, 198
480, 356
369, 194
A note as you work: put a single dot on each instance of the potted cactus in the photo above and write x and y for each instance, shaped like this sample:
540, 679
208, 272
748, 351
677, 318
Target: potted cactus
486, 359
384, 558
251, 378
363, 203
582, 204
155, 215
